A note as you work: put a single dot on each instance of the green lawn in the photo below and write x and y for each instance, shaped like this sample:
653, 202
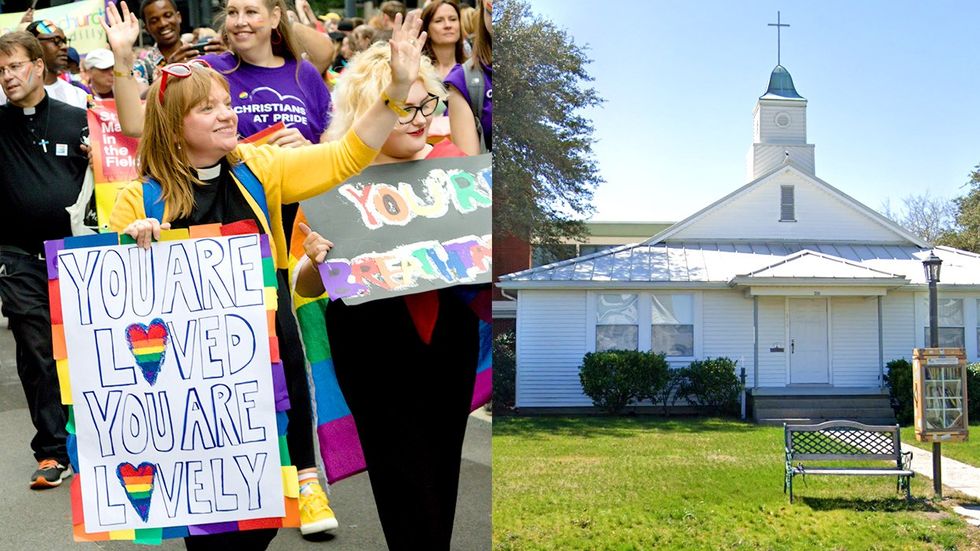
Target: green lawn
646, 483
968, 452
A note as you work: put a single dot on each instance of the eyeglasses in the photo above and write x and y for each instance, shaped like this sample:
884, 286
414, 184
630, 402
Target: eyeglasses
58, 41
427, 108
13, 68
179, 70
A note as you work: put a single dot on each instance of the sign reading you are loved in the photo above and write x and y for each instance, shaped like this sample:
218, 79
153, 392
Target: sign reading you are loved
168, 361
404, 228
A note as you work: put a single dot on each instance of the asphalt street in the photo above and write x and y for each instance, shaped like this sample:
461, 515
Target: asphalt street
40, 520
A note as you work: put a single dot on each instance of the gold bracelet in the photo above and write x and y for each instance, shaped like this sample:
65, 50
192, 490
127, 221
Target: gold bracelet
397, 106
119, 74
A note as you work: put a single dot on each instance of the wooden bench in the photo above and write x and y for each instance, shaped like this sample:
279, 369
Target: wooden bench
846, 441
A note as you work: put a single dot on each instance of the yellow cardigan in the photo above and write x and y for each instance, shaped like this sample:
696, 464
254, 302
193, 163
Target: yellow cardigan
287, 176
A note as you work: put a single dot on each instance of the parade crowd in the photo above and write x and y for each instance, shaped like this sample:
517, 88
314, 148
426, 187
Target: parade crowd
340, 95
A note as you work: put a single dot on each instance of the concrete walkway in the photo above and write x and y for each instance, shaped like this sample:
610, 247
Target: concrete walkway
956, 475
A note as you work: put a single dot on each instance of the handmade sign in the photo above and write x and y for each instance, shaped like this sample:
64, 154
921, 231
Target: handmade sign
113, 157
339, 442
79, 21
406, 228
169, 359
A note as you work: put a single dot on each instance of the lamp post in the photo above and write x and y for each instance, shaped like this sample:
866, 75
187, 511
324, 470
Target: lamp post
932, 266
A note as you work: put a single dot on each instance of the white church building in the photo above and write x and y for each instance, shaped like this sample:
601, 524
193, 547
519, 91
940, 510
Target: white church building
809, 290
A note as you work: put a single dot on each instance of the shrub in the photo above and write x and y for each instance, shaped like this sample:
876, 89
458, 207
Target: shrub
504, 372
712, 383
670, 392
973, 391
615, 379
899, 379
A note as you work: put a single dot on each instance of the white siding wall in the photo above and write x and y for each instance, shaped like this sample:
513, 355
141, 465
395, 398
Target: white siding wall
551, 333
772, 333
770, 132
727, 322
765, 157
820, 216
854, 341
898, 324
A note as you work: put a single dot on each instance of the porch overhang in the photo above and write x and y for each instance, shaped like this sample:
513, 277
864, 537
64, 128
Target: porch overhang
817, 286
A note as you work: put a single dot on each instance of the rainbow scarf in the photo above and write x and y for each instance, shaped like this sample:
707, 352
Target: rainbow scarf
340, 445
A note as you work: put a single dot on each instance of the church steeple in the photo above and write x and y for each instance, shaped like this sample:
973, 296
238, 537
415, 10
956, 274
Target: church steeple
779, 136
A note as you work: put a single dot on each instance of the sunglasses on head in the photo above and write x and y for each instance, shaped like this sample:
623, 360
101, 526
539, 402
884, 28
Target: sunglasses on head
179, 70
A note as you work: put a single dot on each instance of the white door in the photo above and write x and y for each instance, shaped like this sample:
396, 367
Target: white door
808, 358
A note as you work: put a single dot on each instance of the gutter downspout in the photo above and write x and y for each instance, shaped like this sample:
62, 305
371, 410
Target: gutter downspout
881, 349
755, 331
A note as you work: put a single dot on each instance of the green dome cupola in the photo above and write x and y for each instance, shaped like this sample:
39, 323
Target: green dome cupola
781, 85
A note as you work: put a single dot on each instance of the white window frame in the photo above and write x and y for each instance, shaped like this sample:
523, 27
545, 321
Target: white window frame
645, 321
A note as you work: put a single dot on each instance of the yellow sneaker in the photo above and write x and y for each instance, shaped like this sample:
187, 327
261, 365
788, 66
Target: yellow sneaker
315, 514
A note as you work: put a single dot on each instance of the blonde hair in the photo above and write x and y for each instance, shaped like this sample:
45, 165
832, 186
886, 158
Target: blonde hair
361, 84
162, 151
468, 20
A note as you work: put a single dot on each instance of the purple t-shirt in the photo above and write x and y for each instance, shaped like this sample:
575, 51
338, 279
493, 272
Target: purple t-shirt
457, 79
263, 96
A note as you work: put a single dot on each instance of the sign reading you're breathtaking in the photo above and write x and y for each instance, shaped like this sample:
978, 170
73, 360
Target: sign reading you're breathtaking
169, 356
405, 228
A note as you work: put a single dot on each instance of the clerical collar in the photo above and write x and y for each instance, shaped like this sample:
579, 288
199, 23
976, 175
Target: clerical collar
209, 173
31, 111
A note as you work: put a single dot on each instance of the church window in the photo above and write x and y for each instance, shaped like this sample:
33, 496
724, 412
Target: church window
616, 322
787, 204
672, 324
951, 328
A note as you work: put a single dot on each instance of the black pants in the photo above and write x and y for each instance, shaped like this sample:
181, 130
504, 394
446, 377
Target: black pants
410, 402
247, 540
299, 435
24, 292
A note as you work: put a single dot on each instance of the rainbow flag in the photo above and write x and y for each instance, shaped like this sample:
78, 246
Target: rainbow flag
340, 445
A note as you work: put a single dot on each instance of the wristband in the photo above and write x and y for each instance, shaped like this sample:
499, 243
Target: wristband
397, 106
119, 74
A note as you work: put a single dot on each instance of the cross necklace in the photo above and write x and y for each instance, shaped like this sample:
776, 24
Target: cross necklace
42, 141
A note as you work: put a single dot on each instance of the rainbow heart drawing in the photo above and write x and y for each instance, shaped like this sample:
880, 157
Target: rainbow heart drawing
138, 483
148, 344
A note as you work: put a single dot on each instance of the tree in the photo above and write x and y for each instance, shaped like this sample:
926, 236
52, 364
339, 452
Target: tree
543, 167
966, 235
924, 215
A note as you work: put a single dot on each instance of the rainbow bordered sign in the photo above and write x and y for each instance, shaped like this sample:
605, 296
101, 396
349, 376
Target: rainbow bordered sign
169, 361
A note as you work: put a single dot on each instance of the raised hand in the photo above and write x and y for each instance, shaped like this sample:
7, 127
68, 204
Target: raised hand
406, 50
315, 245
121, 30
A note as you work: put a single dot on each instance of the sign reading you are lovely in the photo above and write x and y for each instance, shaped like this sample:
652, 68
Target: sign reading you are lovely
405, 228
169, 365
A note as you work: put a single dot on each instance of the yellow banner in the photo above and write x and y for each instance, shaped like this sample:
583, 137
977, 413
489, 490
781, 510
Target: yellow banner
79, 21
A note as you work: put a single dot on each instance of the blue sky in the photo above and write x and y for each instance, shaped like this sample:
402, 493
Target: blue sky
893, 90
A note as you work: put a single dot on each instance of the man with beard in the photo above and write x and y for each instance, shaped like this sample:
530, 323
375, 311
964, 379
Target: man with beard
43, 171
54, 46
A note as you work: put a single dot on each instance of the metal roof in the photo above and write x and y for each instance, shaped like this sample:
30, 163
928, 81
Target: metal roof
721, 261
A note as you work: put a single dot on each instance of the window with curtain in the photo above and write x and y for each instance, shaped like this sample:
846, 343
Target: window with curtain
616, 322
952, 333
672, 324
